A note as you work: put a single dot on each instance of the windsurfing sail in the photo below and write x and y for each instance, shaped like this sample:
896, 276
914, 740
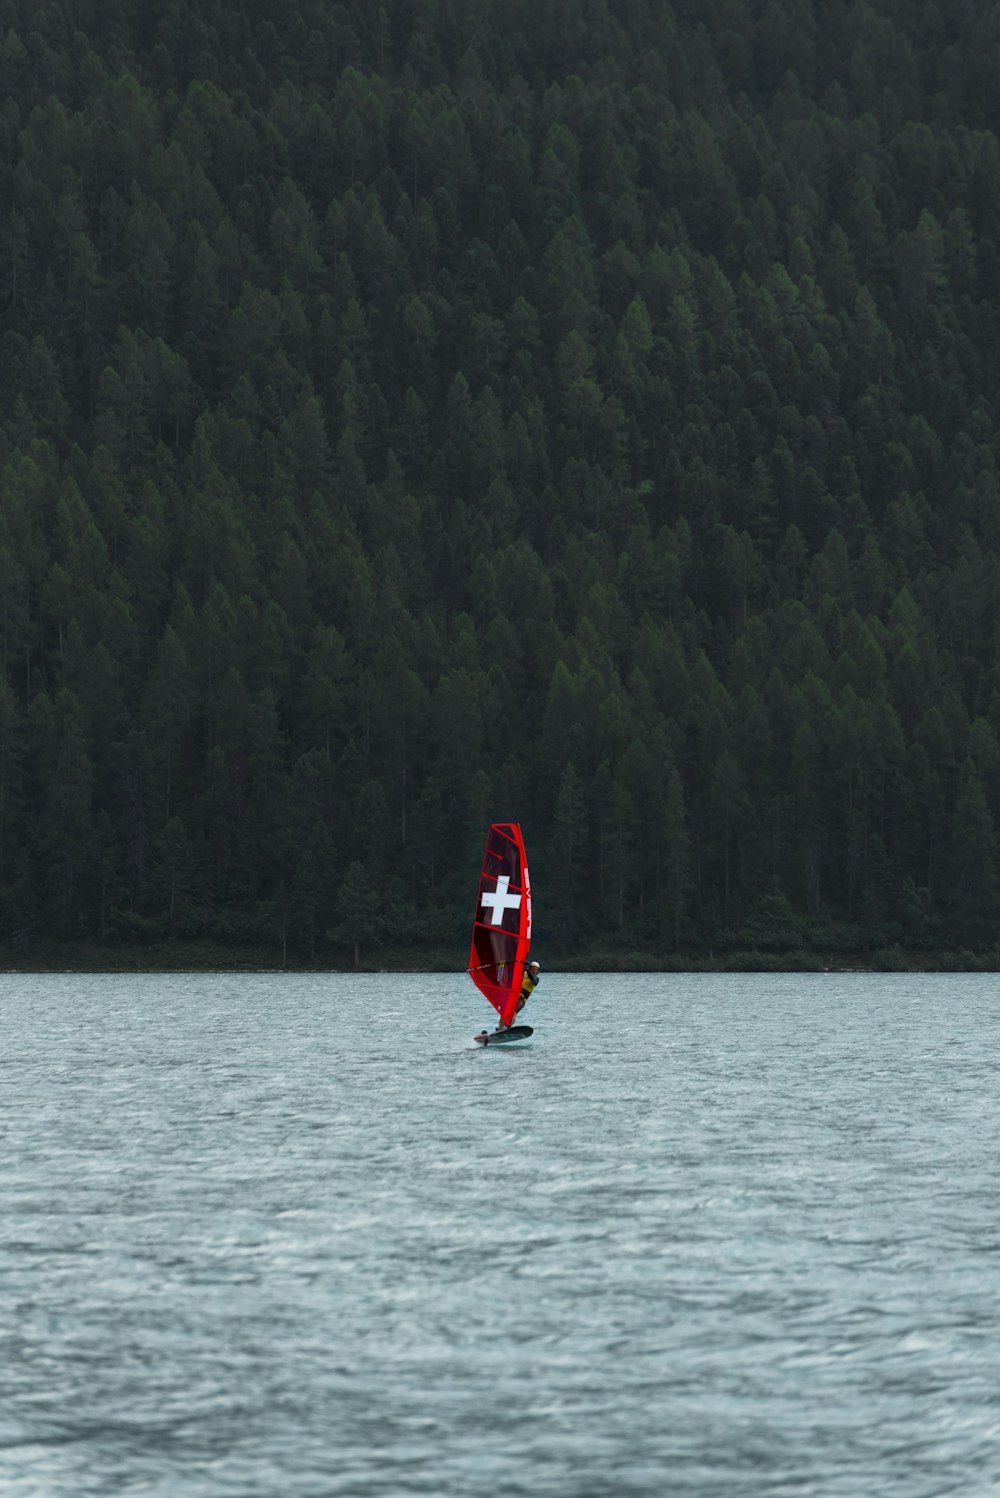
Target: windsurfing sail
501, 926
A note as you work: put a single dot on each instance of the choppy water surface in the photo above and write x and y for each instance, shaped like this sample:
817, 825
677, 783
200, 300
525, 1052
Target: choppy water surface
270, 1236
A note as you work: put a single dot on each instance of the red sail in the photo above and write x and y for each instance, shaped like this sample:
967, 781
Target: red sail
501, 926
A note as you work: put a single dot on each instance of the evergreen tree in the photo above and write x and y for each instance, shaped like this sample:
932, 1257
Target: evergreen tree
359, 908
408, 414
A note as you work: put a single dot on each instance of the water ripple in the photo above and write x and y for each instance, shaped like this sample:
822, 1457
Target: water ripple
256, 1239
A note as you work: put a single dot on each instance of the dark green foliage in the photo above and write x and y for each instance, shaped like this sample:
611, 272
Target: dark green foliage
585, 414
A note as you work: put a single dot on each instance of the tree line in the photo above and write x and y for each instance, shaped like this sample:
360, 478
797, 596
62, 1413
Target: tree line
582, 414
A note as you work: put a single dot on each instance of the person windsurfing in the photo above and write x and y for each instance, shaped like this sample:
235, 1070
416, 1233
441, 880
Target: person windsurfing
528, 985
501, 931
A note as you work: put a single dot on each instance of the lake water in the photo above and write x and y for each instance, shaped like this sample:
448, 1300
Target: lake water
294, 1236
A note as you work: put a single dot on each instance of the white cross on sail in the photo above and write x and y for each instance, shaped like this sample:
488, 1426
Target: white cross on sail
500, 899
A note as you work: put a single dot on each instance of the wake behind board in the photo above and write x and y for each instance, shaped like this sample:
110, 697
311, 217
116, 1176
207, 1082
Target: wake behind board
504, 1037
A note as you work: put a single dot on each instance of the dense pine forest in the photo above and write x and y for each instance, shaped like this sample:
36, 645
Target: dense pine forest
584, 412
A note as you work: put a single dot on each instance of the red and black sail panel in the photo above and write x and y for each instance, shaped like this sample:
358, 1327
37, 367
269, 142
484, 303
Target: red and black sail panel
501, 925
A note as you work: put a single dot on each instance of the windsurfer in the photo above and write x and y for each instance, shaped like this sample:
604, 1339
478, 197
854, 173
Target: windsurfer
528, 985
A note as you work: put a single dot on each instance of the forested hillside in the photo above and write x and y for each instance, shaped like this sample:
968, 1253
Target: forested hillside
576, 411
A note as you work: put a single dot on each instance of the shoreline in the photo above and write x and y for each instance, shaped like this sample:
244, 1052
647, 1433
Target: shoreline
210, 957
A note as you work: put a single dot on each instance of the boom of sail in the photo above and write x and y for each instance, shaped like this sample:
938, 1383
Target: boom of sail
501, 926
